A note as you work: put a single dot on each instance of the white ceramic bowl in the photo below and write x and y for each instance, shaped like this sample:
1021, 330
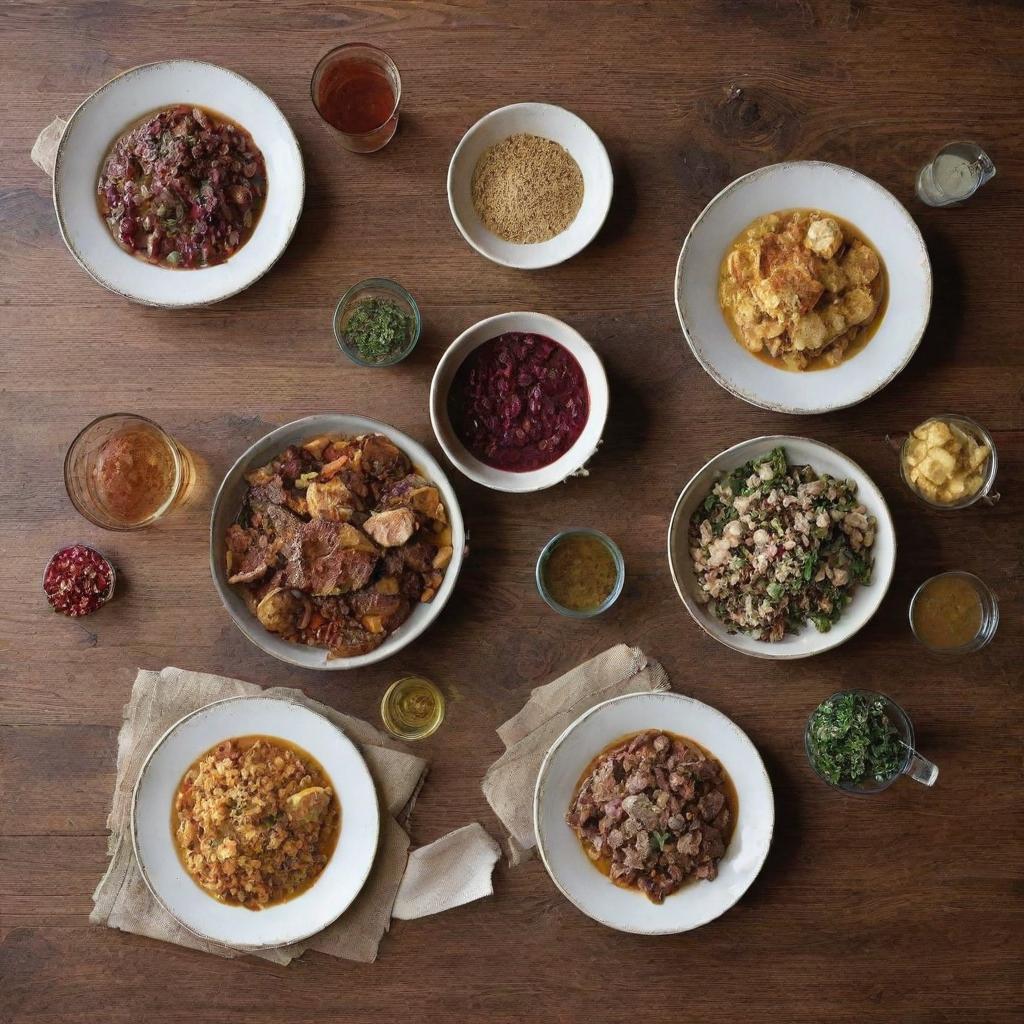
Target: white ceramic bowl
571, 869
799, 451
156, 851
834, 189
586, 444
229, 499
548, 122
97, 123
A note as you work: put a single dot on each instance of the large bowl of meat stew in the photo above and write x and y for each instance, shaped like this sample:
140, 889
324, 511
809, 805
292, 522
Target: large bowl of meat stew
228, 505
717, 882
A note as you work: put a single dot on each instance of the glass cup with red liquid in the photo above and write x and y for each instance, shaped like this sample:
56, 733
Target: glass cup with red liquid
356, 89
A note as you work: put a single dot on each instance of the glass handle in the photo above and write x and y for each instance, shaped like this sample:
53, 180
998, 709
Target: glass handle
985, 168
895, 441
990, 499
920, 769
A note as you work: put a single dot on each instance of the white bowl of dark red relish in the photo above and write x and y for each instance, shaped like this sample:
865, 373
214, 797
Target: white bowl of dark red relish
519, 401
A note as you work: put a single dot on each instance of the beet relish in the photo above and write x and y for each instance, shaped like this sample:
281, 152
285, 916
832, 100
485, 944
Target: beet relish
519, 402
78, 580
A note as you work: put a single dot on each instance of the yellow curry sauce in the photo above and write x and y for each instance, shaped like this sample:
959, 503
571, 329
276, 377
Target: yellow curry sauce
282, 872
879, 289
947, 613
580, 572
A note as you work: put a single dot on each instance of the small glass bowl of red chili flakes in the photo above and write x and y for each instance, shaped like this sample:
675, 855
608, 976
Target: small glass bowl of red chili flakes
78, 580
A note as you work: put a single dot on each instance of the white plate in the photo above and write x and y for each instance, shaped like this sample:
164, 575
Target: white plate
572, 870
548, 122
799, 451
97, 123
340, 881
563, 467
833, 189
228, 502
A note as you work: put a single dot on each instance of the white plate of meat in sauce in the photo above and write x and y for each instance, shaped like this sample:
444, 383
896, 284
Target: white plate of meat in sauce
335, 541
519, 401
653, 813
178, 184
781, 547
803, 287
255, 822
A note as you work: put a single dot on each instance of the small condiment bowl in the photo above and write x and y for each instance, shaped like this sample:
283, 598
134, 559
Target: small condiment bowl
620, 573
979, 433
920, 769
546, 121
989, 615
564, 466
376, 288
108, 594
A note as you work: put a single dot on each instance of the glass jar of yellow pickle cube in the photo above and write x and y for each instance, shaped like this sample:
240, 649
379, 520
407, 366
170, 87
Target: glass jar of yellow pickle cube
949, 462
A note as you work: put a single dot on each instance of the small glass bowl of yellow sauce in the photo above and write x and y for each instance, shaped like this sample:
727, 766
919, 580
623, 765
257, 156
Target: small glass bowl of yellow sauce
954, 613
412, 708
580, 573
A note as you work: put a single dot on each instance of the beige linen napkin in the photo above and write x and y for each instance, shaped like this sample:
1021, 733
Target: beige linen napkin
44, 149
510, 781
123, 900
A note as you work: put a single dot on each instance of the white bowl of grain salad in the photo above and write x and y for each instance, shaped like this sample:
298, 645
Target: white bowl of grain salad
255, 822
529, 185
781, 561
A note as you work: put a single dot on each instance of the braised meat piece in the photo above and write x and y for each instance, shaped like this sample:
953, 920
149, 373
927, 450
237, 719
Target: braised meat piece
653, 812
337, 542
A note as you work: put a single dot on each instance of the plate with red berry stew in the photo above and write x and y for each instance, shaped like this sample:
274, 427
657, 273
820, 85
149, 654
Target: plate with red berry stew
653, 813
178, 184
519, 401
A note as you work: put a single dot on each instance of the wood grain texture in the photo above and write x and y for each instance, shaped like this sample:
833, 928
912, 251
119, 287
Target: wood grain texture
902, 908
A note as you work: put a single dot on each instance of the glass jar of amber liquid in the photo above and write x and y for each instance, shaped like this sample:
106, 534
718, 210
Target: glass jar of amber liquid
123, 472
412, 708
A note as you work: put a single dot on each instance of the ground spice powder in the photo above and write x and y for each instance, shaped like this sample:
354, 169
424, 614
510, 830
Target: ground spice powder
527, 189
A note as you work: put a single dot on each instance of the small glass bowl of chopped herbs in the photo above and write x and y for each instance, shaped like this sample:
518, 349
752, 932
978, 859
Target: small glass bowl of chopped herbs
377, 323
862, 742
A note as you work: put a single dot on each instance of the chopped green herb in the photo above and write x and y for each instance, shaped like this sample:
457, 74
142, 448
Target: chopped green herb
853, 740
378, 329
659, 839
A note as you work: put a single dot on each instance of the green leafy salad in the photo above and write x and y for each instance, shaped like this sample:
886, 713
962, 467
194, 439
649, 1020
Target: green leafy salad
852, 740
775, 545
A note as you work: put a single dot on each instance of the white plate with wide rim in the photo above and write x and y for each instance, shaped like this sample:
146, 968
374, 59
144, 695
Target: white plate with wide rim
808, 184
548, 122
563, 855
824, 459
228, 502
156, 851
115, 107
584, 446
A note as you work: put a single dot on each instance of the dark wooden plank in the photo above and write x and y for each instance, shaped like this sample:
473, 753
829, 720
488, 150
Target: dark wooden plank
905, 907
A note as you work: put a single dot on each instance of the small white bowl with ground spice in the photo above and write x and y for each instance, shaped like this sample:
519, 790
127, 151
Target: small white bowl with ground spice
529, 185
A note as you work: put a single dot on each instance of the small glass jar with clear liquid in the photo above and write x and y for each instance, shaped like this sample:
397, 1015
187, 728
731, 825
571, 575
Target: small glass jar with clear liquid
955, 174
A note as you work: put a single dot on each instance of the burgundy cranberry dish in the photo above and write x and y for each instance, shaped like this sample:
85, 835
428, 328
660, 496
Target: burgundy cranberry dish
183, 188
654, 811
519, 401
337, 541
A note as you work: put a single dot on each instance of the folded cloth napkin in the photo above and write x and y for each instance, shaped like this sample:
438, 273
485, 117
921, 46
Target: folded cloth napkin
510, 781
447, 873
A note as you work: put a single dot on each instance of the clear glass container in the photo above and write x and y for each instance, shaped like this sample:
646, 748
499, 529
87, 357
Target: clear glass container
412, 708
620, 573
376, 288
111, 568
85, 462
985, 493
954, 174
357, 67
912, 764
989, 614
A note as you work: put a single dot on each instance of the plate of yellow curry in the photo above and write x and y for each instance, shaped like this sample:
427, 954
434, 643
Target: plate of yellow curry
803, 287
255, 822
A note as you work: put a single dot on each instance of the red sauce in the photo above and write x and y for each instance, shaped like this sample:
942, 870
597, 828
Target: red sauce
519, 402
355, 97
78, 580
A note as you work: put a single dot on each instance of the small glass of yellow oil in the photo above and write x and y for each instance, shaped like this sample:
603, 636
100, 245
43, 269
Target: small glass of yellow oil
412, 708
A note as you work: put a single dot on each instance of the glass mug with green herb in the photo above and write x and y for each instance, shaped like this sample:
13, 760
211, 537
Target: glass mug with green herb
862, 742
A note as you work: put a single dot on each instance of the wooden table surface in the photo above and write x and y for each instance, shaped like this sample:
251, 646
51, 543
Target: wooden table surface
900, 908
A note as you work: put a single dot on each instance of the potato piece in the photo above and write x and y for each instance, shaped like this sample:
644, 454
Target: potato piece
972, 484
938, 466
916, 451
954, 489
937, 433
809, 332
979, 456
824, 237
